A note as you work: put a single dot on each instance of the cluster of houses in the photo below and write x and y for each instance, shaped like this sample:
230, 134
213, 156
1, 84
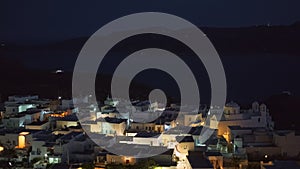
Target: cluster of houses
42, 132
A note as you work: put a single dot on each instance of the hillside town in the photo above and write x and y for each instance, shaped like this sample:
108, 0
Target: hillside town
45, 133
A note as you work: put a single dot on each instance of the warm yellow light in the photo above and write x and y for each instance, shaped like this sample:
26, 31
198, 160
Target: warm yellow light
63, 114
24, 133
21, 142
1, 149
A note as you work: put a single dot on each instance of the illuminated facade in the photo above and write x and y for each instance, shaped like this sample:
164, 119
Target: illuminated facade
116, 159
22, 140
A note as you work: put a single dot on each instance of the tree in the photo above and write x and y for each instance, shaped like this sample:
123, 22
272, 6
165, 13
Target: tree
9, 152
254, 165
230, 148
115, 166
88, 166
235, 161
146, 164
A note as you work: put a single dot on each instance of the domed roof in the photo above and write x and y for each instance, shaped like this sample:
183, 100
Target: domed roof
232, 104
263, 105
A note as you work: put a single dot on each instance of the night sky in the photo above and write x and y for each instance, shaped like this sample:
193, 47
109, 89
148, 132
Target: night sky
42, 21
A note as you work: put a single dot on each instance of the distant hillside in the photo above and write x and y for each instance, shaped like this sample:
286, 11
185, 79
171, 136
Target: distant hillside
259, 61
245, 40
